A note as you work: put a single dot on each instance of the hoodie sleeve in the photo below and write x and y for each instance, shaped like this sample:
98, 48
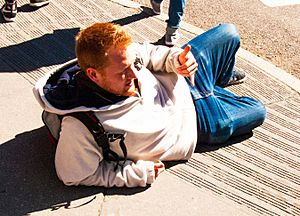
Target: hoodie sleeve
159, 58
79, 161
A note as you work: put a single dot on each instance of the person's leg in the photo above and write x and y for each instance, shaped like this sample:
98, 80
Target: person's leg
224, 115
176, 9
215, 52
220, 113
246, 112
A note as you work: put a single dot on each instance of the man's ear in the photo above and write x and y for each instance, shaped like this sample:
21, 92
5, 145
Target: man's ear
92, 74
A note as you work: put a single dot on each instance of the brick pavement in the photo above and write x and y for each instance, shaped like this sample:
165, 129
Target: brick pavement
256, 176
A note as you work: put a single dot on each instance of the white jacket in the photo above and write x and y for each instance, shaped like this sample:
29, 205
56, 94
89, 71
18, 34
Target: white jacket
160, 124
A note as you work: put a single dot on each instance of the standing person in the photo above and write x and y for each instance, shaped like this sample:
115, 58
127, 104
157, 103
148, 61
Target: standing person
176, 9
163, 100
9, 9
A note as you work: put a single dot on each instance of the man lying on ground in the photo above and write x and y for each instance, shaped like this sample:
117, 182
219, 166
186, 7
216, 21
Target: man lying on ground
164, 101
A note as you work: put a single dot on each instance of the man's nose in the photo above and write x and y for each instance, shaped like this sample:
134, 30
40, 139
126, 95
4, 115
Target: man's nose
131, 74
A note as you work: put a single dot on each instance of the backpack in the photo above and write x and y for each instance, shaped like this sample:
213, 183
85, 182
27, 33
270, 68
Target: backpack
52, 122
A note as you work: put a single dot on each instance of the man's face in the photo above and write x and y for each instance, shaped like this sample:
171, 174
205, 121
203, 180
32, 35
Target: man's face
118, 77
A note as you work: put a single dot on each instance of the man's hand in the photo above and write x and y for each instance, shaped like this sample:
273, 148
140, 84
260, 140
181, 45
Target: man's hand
188, 65
159, 167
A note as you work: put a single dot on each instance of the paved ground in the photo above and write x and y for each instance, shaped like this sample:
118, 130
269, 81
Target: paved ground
272, 33
257, 175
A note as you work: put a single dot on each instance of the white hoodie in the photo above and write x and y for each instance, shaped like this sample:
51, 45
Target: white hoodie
160, 124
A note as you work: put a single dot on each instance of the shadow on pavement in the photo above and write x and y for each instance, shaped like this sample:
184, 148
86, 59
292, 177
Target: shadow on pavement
23, 9
28, 181
133, 18
27, 8
201, 148
47, 50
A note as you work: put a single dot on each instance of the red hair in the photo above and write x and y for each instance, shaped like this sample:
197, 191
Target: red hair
93, 42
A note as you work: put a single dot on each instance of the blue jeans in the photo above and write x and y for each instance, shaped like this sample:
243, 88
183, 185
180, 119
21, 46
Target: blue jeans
176, 8
220, 113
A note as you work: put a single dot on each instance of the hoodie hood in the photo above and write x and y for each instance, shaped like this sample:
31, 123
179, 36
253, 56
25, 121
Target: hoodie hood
69, 88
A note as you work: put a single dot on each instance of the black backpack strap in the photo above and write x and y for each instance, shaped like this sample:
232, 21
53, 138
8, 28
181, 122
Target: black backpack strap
101, 137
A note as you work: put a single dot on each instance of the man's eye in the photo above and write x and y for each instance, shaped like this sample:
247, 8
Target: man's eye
138, 63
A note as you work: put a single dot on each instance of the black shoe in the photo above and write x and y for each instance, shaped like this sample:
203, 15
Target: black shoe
238, 77
171, 36
9, 10
38, 3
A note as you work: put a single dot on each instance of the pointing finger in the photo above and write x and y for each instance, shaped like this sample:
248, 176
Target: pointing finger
183, 54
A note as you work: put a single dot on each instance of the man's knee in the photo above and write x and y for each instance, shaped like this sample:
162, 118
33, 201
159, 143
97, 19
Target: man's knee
230, 31
261, 113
